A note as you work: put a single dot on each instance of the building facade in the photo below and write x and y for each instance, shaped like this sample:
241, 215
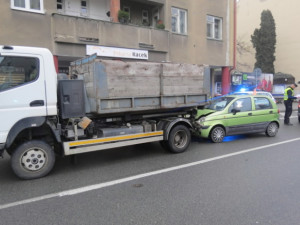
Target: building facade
288, 45
185, 31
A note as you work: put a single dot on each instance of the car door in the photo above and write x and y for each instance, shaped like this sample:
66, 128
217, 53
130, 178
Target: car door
263, 113
239, 118
22, 90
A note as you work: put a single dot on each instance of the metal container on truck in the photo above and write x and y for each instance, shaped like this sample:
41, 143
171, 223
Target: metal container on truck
114, 86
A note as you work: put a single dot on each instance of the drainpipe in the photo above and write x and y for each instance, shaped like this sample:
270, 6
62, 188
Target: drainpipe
226, 81
114, 9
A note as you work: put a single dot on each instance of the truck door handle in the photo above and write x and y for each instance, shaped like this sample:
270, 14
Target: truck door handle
249, 114
271, 112
37, 103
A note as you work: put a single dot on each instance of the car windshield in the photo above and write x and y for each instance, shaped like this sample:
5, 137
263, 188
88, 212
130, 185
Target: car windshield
219, 104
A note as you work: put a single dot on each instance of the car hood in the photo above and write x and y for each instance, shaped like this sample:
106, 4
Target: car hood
208, 112
204, 112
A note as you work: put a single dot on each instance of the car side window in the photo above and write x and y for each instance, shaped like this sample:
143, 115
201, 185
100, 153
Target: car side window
16, 71
241, 105
262, 103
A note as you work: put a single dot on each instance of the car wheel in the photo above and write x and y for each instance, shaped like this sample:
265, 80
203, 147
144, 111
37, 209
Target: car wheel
299, 119
217, 134
272, 129
32, 159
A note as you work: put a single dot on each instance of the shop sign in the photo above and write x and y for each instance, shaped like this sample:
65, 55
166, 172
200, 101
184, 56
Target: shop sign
116, 52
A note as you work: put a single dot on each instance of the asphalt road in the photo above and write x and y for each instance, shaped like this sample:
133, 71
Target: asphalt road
249, 179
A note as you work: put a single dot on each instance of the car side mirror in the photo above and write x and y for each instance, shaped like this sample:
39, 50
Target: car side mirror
234, 111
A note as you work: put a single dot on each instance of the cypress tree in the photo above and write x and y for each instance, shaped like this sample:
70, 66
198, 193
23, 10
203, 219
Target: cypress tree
264, 42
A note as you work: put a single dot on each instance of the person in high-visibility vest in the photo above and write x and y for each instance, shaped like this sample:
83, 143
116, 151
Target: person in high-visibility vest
288, 103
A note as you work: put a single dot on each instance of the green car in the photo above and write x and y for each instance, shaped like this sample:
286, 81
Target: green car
237, 114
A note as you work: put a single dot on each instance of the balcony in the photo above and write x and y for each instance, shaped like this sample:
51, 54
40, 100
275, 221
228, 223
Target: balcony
80, 30
78, 26
144, 12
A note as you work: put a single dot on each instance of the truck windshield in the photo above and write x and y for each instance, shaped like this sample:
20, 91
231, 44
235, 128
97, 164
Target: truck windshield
219, 104
16, 71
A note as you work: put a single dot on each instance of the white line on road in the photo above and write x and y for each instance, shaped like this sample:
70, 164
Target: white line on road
127, 179
291, 117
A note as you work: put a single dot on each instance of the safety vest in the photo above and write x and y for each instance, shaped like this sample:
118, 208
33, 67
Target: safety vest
286, 97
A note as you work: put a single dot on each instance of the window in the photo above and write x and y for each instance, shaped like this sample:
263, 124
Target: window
179, 21
242, 105
214, 27
127, 9
84, 8
262, 103
155, 16
60, 5
145, 17
16, 71
219, 104
28, 5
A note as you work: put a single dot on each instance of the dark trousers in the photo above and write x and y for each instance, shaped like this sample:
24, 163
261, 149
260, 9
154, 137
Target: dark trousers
288, 111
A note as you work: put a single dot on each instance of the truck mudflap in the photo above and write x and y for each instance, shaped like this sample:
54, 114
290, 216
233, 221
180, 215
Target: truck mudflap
97, 144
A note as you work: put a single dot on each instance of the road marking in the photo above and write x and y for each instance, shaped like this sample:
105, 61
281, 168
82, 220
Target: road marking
291, 117
127, 179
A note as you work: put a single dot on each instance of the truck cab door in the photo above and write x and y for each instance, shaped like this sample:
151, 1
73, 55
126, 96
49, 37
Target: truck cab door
22, 90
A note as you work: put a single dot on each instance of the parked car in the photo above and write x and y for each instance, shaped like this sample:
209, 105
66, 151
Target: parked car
298, 97
238, 114
264, 93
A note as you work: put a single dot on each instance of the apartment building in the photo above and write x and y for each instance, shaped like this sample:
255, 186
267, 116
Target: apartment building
186, 31
286, 16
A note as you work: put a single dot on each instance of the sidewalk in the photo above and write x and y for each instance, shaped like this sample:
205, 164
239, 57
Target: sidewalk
282, 108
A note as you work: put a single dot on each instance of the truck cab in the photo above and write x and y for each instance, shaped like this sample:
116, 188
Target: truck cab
28, 83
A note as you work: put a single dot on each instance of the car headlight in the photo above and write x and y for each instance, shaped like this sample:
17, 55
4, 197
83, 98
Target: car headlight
201, 121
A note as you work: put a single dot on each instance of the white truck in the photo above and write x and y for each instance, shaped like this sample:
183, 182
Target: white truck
103, 104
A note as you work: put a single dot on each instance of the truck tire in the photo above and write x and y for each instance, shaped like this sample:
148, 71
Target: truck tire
179, 139
32, 159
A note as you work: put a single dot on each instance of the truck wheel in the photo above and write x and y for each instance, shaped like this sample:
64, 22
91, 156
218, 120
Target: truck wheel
179, 139
272, 129
32, 159
217, 134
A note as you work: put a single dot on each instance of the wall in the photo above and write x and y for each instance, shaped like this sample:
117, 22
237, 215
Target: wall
195, 47
61, 34
25, 28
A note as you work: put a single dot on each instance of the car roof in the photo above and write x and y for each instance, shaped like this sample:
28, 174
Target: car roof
251, 92
243, 96
258, 93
